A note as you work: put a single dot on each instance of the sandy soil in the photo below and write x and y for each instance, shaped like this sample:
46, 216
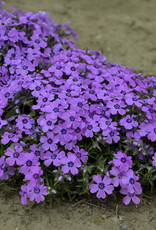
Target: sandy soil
125, 32
84, 214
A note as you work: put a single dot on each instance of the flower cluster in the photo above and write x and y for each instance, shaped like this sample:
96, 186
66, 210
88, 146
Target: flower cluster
125, 177
66, 113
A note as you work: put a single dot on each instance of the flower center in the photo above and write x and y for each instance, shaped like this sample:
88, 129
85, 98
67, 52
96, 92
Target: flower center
69, 55
36, 190
68, 94
75, 79
101, 186
70, 164
72, 118
38, 88
103, 112
129, 120
72, 68
131, 181
89, 127
79, 104
29, 163
58, 67
123, 92
37, 152
91, 91
25, 67
77, 130
45, 99
25, 121
36, 176
53, 156
50, 141
56, 109
116, 106
120, 175
107, 122
96, 66
63, 131
16, 155
37, 41
78, 155
7, 94
123, 159
49, 123
111, 133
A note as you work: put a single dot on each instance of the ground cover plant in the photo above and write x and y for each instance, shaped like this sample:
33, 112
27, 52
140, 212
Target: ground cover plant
71, 122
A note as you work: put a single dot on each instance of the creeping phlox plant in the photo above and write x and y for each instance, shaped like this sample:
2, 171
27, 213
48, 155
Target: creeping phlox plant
70, 122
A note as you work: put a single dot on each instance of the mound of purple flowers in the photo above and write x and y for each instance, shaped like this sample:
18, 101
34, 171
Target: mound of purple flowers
66, 114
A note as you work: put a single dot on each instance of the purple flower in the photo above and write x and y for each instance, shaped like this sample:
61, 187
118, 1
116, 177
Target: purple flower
27, 161
151, 129
34, 175
24, 122
38, 151
80, 105
71, 119
102, 186
116, 106
37, 192
49, 142
130, 182
122, 161
57, 48
5, 169
71, 68
102, 111
25, 67
71, 163
80, 153
107, 123
14, 155
150, 112
46, 123
2, 123
64, 134
54, 157
24, 194
128, 122
134, 136
7, 137
37, 88
133, 99
90, 128
53, 109
57, 69
130, 196
37, 42
117, 180
110, 135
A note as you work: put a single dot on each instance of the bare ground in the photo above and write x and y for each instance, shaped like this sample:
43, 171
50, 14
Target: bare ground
81, 214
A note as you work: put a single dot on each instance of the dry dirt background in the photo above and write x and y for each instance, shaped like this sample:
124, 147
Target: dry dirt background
125, 32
